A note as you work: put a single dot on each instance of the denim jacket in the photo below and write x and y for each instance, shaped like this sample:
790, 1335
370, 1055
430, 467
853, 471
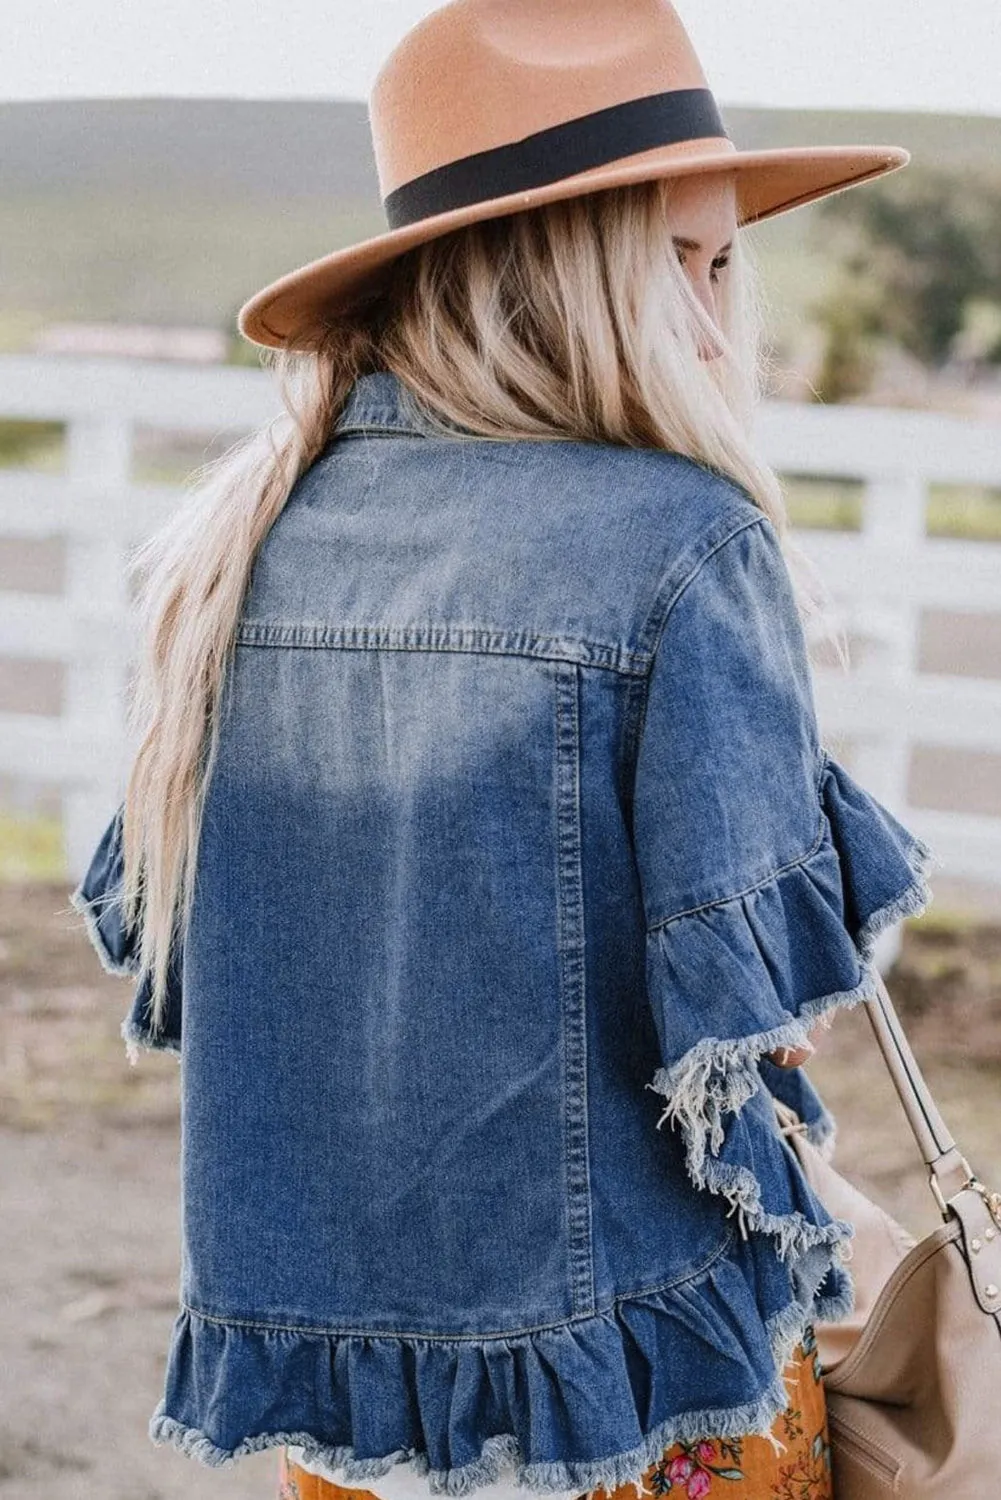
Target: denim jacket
520, 845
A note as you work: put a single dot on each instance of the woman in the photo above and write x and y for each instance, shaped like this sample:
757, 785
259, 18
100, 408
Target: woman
479, 812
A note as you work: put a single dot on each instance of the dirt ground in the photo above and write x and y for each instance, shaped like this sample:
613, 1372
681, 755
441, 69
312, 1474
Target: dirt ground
89, 1234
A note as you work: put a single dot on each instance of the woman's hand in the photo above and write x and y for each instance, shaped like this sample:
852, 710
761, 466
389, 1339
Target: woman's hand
792, 1057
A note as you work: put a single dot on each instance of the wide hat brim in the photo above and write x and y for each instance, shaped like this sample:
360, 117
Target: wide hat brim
768, 182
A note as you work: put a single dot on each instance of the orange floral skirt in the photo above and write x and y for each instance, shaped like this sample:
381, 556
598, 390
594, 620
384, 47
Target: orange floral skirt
793, 1463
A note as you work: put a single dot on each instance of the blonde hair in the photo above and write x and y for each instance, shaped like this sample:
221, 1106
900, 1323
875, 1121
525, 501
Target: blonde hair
574, 319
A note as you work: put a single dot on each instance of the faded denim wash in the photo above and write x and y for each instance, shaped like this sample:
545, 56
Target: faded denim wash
520, 844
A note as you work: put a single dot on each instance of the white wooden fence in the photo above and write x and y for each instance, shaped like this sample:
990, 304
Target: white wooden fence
883, 577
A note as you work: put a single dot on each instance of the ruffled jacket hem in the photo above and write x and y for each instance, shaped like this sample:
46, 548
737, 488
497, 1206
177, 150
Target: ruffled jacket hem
673, 1342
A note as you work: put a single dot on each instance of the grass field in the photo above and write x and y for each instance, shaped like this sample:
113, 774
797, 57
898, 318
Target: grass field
176, 210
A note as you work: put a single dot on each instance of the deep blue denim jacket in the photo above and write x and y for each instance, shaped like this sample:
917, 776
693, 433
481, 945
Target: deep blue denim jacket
520, 844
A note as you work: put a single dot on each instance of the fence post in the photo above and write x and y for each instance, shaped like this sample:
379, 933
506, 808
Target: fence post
98, 466
893, 519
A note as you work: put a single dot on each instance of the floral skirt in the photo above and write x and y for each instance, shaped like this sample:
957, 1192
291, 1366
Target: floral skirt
792, 1463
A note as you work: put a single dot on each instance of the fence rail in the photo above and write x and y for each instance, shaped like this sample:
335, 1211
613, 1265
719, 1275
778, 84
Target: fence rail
883, 577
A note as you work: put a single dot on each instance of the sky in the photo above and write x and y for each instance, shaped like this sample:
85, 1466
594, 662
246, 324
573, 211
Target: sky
853, 54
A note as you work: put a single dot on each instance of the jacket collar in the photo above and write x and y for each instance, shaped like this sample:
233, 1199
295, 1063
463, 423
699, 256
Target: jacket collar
381, 401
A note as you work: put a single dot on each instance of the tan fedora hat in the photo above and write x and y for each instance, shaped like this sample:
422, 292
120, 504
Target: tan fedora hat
489, 107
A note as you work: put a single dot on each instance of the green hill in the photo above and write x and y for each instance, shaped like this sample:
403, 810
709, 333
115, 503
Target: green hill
176, 210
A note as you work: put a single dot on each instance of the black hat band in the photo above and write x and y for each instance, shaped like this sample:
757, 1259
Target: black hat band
560, 151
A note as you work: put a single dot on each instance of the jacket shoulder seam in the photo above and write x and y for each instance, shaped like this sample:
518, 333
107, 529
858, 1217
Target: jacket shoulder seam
665, 601
668, 601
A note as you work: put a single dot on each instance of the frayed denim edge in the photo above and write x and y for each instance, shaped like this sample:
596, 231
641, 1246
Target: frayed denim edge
133, 1035
698, 1101
823, 1131
109, 963
136, 1037
502, 1452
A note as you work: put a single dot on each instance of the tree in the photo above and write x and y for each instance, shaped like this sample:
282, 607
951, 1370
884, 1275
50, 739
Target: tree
916, 253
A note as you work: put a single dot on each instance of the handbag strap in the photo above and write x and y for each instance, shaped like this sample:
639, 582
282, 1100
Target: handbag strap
949, 1171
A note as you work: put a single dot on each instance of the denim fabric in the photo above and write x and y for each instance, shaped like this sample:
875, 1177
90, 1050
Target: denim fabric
520, 845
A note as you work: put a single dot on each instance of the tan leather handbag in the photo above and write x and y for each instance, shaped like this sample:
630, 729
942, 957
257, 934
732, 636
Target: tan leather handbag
913, 1377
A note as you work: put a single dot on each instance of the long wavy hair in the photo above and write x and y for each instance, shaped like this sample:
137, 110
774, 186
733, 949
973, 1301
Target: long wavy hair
571, 320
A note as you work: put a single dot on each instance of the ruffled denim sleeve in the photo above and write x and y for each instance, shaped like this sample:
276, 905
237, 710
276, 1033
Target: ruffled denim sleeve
98, 899
767, 873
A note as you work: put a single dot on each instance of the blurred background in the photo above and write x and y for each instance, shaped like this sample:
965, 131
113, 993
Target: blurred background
157, 170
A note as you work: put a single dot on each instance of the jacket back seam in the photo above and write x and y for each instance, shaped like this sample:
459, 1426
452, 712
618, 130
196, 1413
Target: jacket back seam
570, 909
